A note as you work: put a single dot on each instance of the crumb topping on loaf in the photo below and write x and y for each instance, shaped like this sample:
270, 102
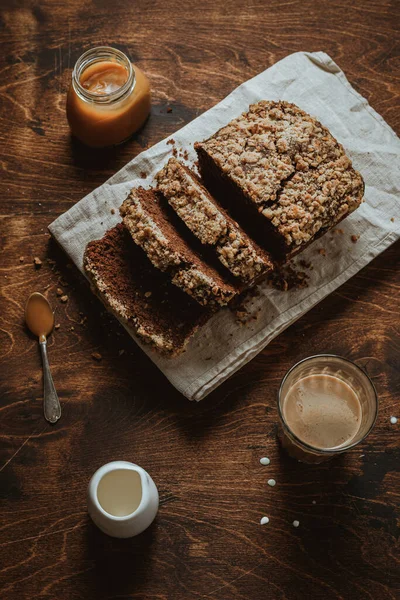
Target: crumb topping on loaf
315, 199
289, 166
210, 223
191, 202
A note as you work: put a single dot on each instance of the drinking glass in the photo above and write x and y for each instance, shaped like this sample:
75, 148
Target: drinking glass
350, 373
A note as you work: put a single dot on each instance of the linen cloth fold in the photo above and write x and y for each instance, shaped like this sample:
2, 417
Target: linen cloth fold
316, 84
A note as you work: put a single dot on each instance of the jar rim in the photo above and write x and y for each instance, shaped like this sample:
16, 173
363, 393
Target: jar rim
335, 449
97, 54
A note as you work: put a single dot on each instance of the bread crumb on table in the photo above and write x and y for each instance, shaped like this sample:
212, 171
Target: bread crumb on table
97, 356
37, 262
354, 238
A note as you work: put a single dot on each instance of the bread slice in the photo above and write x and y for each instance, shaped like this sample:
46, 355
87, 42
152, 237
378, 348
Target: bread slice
150, 222
283, 173
208, 221
139, 295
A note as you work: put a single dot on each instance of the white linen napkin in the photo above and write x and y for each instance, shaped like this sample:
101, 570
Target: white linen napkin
317, 85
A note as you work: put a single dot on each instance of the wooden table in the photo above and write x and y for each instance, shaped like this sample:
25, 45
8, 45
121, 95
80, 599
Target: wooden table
207, 541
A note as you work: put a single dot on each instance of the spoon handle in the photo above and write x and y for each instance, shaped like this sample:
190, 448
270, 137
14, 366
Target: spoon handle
51, 403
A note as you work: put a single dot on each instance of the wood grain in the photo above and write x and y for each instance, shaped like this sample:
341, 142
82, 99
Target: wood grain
207, 541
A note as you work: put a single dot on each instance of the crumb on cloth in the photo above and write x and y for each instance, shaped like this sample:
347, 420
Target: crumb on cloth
288, 277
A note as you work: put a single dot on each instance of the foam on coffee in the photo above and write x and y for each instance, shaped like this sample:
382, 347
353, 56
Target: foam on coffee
323, 411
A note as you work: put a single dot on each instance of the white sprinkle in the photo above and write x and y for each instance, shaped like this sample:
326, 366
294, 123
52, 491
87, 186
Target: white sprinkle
271, 482
393, 420
314, 502
296, 523
265, 460
264, 521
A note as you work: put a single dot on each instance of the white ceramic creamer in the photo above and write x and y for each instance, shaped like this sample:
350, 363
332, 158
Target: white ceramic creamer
122, 499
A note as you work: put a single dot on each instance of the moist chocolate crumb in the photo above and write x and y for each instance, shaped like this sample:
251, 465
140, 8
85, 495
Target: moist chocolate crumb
97, 356
392, 219
305, 264
288, 278
37, 262
169, 109
64, 299
242, 309
143, 174
175, 152
244, 316
59, 292
171, 141
113, 211
354, 238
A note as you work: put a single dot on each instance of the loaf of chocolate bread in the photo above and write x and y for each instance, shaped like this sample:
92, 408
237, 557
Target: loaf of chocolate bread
282, 174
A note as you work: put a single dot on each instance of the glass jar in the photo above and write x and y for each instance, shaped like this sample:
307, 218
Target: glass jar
350, 374
105, 115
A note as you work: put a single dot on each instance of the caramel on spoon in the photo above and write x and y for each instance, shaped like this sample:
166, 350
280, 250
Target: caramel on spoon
40, 320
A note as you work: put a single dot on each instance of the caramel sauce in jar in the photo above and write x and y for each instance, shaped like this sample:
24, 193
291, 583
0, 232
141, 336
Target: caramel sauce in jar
109, 98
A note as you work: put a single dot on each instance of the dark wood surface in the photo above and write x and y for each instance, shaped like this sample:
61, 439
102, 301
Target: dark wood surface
207, 541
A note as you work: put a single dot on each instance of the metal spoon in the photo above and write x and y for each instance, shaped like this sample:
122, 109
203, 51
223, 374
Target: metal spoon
40, 320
